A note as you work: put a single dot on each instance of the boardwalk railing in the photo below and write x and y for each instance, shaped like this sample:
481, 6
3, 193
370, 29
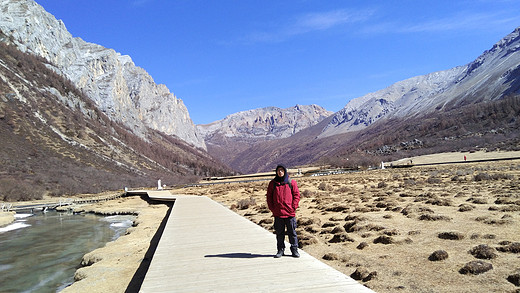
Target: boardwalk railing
61, 202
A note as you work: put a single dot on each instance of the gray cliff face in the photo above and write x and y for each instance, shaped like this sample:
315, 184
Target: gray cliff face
266, 123
491, 76
125, 92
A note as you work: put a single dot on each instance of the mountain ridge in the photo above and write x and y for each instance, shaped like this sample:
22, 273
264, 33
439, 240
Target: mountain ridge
395, 120
125, 92
266, 123
431, 92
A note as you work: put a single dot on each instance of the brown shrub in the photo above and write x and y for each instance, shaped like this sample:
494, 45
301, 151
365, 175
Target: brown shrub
451, 235
509, 247
338, 208
312, 228
17, 190
305, 221
266, 221
362, 245
438, 255
245, 203
307, 193
384, 239
477, 200
330, 256
323, 186
382, 184
411, 209
433, 180
440, 202
328, 225
497, 222
306, 239
391, 232
466, 207
343, 189
514, 279
476, 267
337, 230
362, 274
343, 237
483, 251
408, 182
428, 217
482, 177
498, 176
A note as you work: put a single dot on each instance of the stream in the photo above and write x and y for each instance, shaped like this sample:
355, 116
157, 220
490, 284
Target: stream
40, 252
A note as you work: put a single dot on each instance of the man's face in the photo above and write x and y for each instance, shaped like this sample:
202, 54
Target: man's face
280, 172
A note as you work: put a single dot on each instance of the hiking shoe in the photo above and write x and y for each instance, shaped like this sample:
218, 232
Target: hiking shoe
279, 253
295, 252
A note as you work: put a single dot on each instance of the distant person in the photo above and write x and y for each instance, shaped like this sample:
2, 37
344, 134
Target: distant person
283, 198
465, 158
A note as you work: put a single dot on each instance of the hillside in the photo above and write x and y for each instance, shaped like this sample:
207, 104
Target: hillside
466, 108
56, 141
126, 93
490, 77
240, 131
479, 126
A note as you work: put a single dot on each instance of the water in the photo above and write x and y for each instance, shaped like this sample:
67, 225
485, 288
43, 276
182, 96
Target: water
41, 252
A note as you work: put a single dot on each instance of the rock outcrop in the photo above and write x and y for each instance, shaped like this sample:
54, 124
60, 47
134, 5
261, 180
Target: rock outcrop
265, 123
490, 77
125, 92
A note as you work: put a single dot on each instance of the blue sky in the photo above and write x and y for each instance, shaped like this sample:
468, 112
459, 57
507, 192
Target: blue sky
223, 56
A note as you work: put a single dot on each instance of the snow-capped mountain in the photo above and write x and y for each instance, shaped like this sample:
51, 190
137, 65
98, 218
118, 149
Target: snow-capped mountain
491, 76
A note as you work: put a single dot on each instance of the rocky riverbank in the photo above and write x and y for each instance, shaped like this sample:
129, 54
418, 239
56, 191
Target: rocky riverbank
6, 218
120, 265
116, 266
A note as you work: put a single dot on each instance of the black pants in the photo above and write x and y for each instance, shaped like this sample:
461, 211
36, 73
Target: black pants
279, 226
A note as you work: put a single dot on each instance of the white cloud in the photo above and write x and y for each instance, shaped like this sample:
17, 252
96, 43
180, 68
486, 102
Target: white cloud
458, 22
308, 23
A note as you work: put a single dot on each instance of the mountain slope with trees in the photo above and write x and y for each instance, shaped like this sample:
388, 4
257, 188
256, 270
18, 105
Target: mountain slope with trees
56, 141
469, 107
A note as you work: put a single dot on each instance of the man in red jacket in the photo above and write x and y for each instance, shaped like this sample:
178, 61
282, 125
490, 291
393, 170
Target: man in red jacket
283, 198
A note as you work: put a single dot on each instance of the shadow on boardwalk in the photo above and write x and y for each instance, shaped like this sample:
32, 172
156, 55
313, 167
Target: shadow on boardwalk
239, 255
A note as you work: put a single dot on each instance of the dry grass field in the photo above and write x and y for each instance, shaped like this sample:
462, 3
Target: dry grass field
446, 228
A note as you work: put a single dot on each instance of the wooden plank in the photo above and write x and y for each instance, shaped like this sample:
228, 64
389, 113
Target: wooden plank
206, 247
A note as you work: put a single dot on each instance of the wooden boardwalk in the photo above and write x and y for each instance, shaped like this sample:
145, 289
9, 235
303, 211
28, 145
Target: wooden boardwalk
205, 247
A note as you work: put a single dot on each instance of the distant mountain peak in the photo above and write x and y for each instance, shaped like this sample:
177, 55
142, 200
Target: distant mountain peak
266, 123
489, 77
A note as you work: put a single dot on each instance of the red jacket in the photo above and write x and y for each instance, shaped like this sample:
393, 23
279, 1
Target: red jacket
281, 200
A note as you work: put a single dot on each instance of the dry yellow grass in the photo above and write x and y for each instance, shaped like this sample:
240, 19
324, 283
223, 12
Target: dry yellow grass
387, 222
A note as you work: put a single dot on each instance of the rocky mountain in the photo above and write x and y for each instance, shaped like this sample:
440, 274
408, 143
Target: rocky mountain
56, 141
490, 77
468, 107
265, 123
124, 92
239, 132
